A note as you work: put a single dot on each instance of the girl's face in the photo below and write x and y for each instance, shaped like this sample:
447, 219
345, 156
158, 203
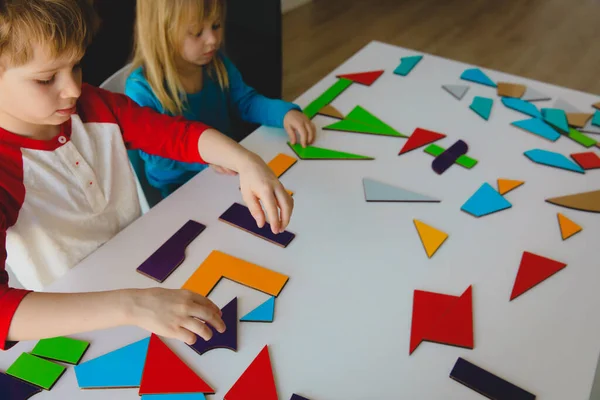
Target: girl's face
201, 42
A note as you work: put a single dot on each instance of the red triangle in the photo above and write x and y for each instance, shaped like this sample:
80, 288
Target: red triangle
428, 307
420, 137
365, 78
165, 373
256, 382
533, 270
455, 327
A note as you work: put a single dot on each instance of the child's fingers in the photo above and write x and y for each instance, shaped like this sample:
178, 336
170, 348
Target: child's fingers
301, 129
286, 205
270, 204
255, 209
198, 327
310, 128
185, 336
292, 134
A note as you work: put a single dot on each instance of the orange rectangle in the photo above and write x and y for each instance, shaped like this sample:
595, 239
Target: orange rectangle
281, 163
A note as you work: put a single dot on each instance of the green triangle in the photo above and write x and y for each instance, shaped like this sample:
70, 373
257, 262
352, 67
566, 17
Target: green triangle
362, 121
317, 153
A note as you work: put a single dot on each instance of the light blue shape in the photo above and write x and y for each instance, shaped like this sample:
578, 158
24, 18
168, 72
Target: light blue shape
596, 119
486, 200
522, 106
181, 396
262, 313
552, 159
538, 127
121, 368
407, 64
556, 117
478, 76
482, 106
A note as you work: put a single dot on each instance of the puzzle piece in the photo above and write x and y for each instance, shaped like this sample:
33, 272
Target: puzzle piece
482, 106
257, 382
317, 153
431, 238
35, 370
381, 192
15, 389
263, 313
596, 106
281, 163
364, 78
522, 106
587, 201
556, 118
420, 137
178, 396
553, 159
478, 76
63, 349
486, 383
297, 397
327, 97
507, 185
458, 91
596, 118
580, 138
567, 227
331, 111
239, 216
407, 64
486, 200
225, 340
578, 120
534, 95
463, 161
121, 368
538, 127
445, 160
220, 265
507, 89
533, 270
587, 160
361, 121
171, 254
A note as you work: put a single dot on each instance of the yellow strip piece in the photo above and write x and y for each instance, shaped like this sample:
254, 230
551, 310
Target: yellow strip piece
506, 185
281, 163
431, 237
567, 227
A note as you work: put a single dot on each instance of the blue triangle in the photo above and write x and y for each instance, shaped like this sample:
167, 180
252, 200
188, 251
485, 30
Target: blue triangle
556, 117
180, 396
482, 106
262, 313
478, 76
522, 106
121, 368
407, 64
538, 127
596, 119
486, 200
552, 159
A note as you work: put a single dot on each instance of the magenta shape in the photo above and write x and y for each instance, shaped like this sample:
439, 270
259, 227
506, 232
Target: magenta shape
15, 389
449, 157
225, 340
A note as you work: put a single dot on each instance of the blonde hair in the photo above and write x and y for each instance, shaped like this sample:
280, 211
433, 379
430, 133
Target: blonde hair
160, 28
62, 27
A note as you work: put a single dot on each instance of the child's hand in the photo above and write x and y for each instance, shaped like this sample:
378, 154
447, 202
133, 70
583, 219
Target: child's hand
296, 123
222, 170
260, 185
174, 313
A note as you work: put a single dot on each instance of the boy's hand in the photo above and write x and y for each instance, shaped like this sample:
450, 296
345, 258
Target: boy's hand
296, 123
260, 185
222, 170
174, 313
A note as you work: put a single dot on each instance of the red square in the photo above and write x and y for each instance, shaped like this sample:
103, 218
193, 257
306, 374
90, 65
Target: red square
587, 160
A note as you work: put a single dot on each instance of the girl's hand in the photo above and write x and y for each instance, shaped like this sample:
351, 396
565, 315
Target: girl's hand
296, 123
223, 170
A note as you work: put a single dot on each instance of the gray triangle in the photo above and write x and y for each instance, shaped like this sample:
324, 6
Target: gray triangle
589, 128
566, 106
378, 191
533, 95
457, 91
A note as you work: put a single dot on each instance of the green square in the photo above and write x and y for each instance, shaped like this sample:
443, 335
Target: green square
36, 371
61, 349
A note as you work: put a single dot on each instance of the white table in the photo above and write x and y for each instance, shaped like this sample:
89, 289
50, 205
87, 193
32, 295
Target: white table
342, 324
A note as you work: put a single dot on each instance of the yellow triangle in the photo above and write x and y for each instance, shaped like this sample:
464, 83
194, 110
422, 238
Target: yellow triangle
331, 111
431, 237
506, 185
567, 227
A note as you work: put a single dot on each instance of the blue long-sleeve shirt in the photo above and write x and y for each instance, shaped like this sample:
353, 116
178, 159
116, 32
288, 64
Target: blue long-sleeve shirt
211, 105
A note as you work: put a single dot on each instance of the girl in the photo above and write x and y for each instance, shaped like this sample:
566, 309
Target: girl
179, 70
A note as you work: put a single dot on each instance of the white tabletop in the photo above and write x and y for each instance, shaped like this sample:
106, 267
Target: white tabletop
342, 323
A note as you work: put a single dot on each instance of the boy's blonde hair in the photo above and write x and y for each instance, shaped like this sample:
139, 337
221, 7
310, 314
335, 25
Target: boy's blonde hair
161, 26
61, 27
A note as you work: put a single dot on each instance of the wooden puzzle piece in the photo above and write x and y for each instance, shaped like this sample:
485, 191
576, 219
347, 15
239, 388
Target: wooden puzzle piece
522, 106
587, 201
533, 95
327, 97
482, 106
587, 160
556, 118
63, 349
487, 384
297, 397
567, 227
419, 138
220, 265
533, 270
225, 340
165, 373
178, 396
596, 105
580, 138
458, 91
35, 370
565, 106
15, 389
171, 254
485, 201
257, 382
281, 163
578, 120
464, 161
407, 64
121, 368
318, 153
263, 313
239, 216
552, 159
376, 191
360, 120
507, 89
445, 160
507, 185
478, 76
331, 111
596, 118
364, 78
538, 127
431, 238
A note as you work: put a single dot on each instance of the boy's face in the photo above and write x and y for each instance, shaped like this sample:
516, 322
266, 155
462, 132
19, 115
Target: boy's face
201, 42
41, 92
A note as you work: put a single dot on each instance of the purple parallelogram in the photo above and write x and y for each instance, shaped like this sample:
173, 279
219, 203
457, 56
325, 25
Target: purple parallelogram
225, 340
172, 253
239, 216
449, 157
15, 389
296, 397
